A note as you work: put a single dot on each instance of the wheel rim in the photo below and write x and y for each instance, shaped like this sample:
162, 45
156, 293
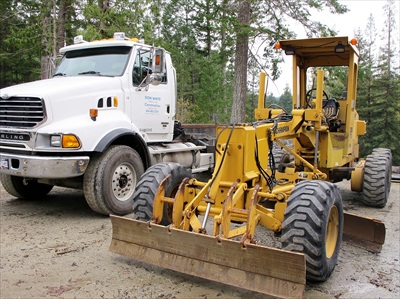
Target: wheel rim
332, 232
123, 182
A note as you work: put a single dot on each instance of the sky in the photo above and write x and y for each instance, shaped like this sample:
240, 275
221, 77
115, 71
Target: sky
345, 25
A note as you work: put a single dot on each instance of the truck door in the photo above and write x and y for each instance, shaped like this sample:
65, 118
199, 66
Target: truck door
151, 105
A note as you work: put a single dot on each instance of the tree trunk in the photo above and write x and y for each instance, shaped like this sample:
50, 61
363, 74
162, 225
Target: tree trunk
104, 8
62, 20
46, 38
241, 58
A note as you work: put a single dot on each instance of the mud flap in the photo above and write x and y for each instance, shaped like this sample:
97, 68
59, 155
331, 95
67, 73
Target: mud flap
257, 268
366, 232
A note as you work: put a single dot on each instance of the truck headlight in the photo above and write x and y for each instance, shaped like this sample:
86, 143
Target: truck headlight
55, 140
65, 141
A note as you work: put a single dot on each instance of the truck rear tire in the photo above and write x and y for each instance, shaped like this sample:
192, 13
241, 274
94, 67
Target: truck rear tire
110, 180
377, 178
24, 188
148, 185
313, 225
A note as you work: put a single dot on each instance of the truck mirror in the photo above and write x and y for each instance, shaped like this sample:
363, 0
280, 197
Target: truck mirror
158, 61
155, 79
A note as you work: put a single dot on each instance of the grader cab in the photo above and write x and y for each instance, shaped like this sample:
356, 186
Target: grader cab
216, 229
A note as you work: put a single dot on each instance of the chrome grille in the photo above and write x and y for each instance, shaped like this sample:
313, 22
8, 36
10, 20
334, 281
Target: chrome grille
22, 112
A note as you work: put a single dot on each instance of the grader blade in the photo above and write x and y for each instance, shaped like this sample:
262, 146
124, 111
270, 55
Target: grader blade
366, 232
253, 267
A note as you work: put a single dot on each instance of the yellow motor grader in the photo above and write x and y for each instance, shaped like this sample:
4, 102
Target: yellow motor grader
211, 229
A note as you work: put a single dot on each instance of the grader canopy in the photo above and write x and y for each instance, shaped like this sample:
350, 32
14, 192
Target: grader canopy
277, 173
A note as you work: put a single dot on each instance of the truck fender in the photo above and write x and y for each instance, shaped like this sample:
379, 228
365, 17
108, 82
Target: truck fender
126, 137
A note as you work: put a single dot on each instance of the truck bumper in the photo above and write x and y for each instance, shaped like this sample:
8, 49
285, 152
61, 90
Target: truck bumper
43, 167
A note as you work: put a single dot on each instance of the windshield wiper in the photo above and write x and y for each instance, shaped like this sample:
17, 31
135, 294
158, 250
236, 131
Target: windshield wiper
90, 73
59, 74
94, 73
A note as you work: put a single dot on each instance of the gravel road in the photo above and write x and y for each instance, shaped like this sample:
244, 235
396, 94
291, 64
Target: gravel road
57, 247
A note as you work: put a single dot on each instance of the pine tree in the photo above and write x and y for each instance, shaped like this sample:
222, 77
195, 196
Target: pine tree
269, 20
365, 92
386, 83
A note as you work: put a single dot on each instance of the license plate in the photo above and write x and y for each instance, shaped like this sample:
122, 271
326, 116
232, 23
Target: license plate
4, 163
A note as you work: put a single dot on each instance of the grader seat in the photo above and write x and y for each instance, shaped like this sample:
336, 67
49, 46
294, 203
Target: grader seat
331, 112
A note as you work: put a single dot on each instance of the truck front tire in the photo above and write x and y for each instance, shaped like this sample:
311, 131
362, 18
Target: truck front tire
110, 180
24, 188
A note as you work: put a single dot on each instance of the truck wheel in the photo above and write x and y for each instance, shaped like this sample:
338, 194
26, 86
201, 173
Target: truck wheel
24, 188
148, 185
110, 180
313, 225
377, 179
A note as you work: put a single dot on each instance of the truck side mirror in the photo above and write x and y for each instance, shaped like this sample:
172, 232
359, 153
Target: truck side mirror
158, 61
158, 67
155, 76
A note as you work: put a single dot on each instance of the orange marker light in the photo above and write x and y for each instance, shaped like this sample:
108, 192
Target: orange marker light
93, 113
115, 102
70, 141
158, 59
353, 41
277, 46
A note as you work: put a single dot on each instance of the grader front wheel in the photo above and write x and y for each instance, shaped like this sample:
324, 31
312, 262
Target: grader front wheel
147, 187
313, 226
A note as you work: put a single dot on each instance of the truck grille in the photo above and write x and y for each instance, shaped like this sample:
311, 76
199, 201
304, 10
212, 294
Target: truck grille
22, 112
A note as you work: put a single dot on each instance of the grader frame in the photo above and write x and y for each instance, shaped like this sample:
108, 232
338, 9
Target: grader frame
204, 237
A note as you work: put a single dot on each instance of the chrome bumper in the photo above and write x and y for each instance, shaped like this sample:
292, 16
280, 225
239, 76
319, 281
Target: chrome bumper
43, 167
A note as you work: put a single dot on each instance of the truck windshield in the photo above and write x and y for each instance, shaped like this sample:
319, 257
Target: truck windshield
106, 61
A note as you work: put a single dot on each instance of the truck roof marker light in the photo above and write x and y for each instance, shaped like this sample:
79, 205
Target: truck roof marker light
70, 141
79, 39
93, 114
340, 48
277, 46
115, 101
354, 41
119, 35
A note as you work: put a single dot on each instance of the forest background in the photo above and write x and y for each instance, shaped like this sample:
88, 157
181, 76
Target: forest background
212, 44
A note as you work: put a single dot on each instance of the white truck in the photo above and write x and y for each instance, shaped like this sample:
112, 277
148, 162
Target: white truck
106, 115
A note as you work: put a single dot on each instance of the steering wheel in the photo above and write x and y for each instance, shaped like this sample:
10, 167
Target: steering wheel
309, 98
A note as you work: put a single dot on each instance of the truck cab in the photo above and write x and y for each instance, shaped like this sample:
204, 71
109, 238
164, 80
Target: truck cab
106, 115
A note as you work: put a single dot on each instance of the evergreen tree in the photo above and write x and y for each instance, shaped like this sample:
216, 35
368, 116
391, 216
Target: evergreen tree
268, 19
386, 103
378, 87
285, 100
365, 92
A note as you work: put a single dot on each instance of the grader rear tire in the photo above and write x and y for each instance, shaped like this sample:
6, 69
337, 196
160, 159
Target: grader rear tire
313, 225
148, 185
377, 178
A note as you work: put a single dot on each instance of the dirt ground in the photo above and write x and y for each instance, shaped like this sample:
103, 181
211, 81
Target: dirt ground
58, 247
